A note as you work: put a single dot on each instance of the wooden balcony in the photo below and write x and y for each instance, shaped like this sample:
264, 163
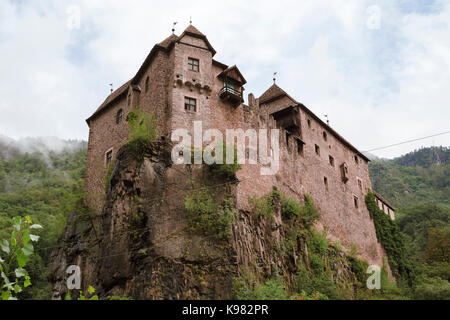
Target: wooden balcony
232, 95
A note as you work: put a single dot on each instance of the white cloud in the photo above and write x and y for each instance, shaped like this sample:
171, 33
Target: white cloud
377, 86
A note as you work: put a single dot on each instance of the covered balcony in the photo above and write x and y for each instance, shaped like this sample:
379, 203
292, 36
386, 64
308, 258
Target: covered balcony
288, 119
233, 82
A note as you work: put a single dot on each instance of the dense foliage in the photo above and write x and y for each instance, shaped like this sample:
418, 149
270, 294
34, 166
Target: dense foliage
207, 217
15, 254
418, 186
142, 130
44, 183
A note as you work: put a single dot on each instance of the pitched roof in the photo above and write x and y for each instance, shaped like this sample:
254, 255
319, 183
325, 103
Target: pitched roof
334, 133
237, 73
382, 199
274, 93
193, 32
112, 97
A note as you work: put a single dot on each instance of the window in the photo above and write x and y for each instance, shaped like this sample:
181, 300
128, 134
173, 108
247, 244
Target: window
325, 182
356, 202
360, 184
324, 134
331, 161
299, 147
344, 172
309, 123
317, 150
147, 84
119, 116
109, 157
190, 104
287, 140
193, 64
356, 159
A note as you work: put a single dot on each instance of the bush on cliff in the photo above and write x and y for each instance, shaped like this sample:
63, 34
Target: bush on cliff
208, 218
142, 129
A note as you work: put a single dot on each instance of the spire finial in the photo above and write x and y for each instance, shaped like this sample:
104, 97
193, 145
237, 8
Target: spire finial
111, 85
173, 27
275, 77
328, 121
190, 20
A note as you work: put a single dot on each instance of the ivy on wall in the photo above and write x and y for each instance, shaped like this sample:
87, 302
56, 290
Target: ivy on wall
391, 238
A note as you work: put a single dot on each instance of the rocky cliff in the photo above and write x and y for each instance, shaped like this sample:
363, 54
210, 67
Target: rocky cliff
144, 245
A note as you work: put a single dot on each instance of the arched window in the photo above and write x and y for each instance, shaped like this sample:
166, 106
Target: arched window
146, 84
119, 116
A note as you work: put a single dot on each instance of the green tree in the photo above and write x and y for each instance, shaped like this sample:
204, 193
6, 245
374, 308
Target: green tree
17, 252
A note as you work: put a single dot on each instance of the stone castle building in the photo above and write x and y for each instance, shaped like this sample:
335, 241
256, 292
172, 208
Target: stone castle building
180, 82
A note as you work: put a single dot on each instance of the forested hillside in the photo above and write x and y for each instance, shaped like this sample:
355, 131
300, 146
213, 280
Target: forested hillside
43, 179
418, 186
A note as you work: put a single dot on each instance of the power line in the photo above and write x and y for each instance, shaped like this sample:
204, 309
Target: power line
407, 141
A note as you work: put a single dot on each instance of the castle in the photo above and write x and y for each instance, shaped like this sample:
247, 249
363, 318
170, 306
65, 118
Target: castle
180, 82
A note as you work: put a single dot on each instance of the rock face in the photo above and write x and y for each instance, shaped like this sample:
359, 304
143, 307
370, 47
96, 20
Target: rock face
141, 247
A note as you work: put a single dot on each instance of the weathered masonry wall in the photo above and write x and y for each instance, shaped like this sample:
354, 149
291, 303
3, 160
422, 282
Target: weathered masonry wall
160, 88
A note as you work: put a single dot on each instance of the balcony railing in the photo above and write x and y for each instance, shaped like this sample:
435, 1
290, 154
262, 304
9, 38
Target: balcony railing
230, 93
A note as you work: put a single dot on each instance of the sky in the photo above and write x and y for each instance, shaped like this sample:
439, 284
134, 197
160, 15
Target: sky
380, 70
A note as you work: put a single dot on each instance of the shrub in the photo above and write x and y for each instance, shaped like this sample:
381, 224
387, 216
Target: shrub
142, 132
318, 243
206, 217
290, 208
432, 288
262, 207
310, 214
226, 170
272, 289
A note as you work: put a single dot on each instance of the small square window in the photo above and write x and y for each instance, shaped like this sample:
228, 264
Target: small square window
190, 104
193, 64
317, 148
108, 157
331, 161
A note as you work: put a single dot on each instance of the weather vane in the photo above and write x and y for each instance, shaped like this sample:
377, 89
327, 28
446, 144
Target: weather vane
173, 28
190, 20
274, 77
111, 85
328, 121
